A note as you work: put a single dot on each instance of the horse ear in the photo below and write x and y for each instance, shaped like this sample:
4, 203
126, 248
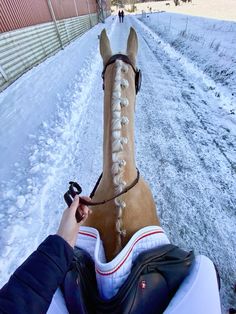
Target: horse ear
105, 48
132, 45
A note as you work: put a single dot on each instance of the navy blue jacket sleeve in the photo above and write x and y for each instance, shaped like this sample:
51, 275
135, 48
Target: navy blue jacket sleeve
30, 289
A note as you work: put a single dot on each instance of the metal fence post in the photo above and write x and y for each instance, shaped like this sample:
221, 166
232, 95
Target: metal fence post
186, 27
3, 73
89, 14
76, 9
55, 22
100, 11
170, 23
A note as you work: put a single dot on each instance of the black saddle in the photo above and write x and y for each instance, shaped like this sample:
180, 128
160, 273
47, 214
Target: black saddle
155, 277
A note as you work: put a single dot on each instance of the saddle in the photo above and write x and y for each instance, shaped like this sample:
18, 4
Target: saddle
155, 277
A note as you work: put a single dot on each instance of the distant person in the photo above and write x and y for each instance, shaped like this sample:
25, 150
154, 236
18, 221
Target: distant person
119, 14
122, 16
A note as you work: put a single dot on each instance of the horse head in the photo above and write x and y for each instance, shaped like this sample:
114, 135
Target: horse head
122, 195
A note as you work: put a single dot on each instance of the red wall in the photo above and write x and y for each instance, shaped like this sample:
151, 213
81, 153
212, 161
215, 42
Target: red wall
67, 8
16, 14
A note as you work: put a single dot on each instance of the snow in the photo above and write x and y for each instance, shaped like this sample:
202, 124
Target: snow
52, 124
216, 9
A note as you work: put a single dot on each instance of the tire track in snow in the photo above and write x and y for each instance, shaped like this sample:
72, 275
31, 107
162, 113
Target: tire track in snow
188, 90
194, 96
179, 151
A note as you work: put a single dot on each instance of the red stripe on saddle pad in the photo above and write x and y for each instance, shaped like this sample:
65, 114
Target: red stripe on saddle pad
127, 255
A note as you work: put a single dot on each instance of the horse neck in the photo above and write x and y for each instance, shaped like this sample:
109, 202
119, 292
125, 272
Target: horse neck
119, 167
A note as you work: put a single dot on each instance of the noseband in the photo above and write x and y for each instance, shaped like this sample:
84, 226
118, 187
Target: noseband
124, 58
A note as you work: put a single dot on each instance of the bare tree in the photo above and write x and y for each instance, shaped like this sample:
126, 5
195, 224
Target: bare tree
176, 2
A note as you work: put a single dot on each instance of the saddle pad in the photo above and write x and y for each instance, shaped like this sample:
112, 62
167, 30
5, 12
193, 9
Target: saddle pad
110, 276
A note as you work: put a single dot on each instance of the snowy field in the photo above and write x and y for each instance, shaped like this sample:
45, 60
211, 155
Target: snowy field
216, 9
51, 132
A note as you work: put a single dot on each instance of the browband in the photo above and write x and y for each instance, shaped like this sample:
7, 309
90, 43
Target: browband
124, 58
121, 57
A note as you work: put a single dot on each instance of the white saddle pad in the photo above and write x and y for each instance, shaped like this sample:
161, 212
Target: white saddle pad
197, 294
111, 275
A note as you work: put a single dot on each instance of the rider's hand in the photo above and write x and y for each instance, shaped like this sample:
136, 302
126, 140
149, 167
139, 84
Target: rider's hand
69, 227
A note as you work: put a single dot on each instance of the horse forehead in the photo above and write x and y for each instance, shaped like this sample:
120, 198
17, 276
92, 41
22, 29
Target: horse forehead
119, 56
111, 65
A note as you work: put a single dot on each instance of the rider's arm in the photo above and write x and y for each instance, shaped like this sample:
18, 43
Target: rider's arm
32, 286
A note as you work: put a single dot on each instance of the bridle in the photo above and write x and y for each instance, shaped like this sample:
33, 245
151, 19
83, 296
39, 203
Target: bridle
74, 187
124, 58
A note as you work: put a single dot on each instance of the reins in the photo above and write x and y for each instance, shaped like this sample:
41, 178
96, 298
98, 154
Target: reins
75, 189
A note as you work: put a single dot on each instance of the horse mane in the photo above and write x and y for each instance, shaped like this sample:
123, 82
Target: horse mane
118, 121
114, 219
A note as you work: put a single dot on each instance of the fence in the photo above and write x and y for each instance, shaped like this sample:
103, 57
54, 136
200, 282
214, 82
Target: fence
23, 48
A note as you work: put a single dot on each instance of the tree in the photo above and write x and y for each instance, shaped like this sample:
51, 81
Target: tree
119, 3
176, 2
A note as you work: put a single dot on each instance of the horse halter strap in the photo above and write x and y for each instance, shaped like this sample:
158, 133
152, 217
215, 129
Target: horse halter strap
124, 58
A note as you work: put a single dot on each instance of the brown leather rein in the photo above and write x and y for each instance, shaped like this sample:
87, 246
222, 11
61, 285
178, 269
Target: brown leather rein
75, 189
126, 189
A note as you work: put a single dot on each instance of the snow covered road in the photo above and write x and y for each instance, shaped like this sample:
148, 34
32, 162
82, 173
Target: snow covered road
189, 155
51, 132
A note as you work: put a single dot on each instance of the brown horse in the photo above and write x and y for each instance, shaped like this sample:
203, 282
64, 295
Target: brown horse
117, 220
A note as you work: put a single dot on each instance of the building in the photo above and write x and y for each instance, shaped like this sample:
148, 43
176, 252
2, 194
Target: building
31, 30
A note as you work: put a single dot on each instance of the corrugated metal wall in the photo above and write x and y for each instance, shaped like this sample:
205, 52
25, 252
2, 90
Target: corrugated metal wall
24, 48
15, 14
32, 30
69, 8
